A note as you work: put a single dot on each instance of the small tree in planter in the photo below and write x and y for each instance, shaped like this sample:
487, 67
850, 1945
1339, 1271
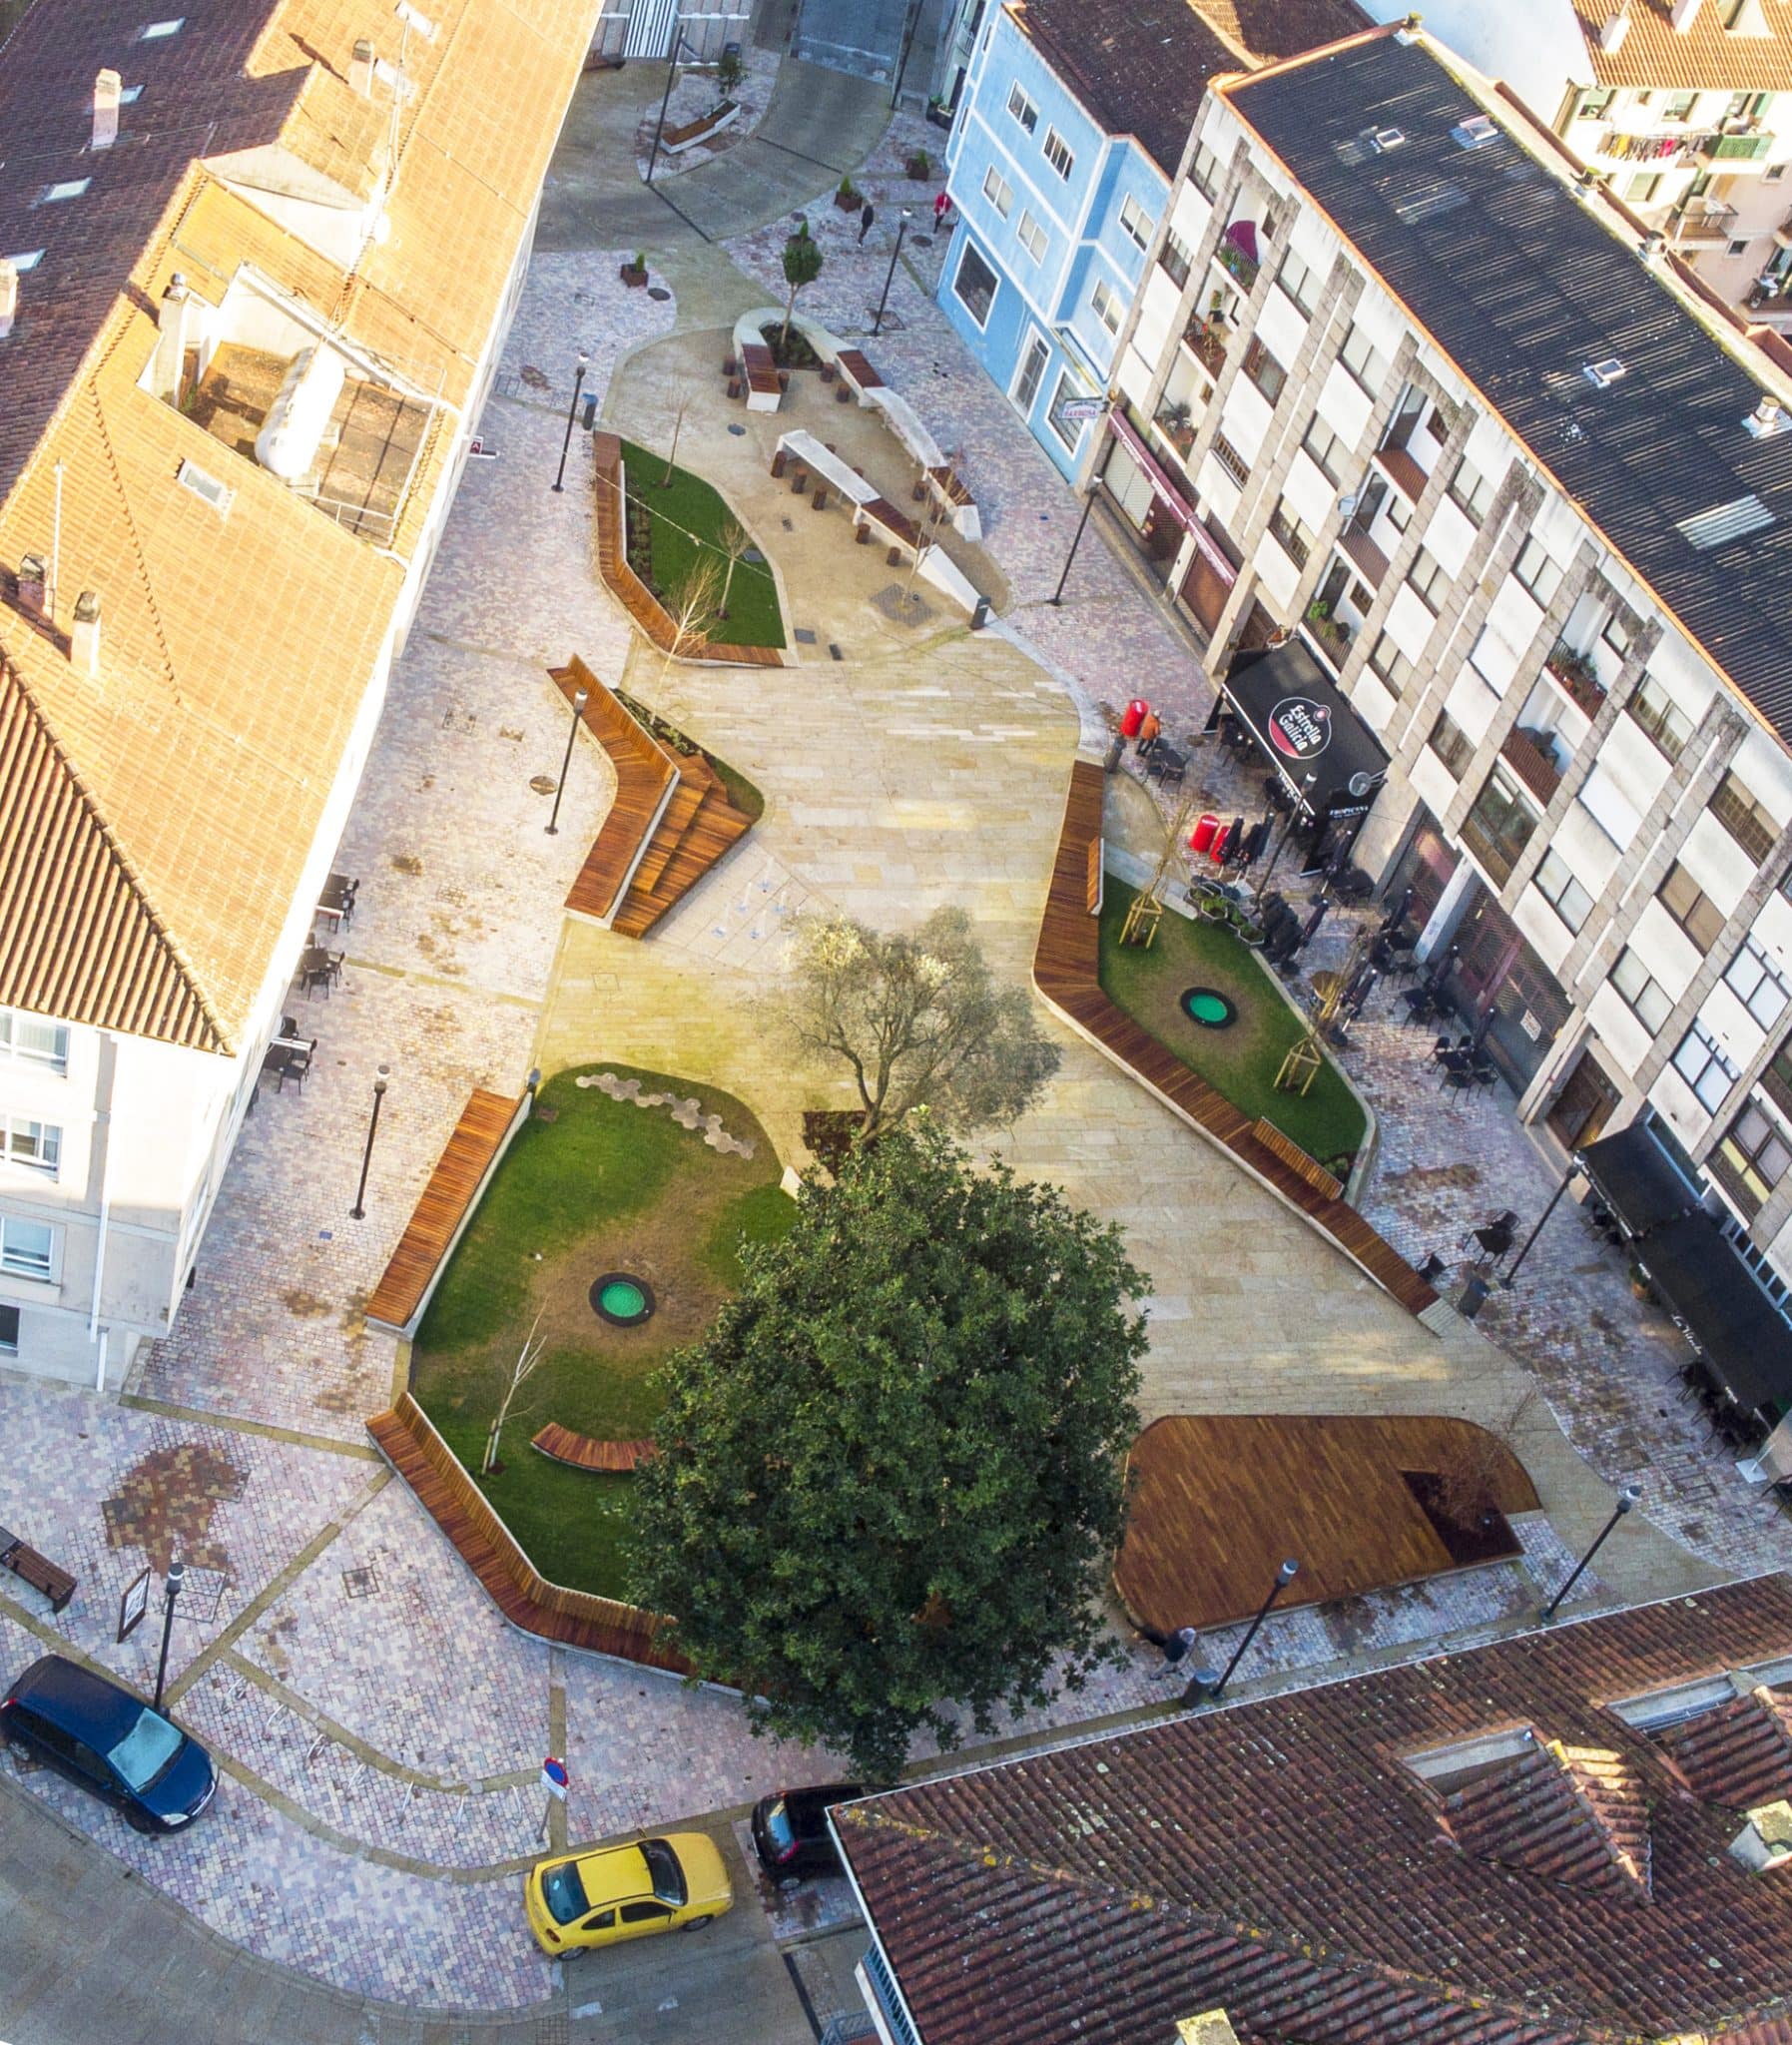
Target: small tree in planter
728, 73
801, 264
634, 274
849, 198
920, 166
736, 545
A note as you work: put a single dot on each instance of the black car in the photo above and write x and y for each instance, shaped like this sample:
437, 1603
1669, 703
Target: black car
108, 1741
790, 1830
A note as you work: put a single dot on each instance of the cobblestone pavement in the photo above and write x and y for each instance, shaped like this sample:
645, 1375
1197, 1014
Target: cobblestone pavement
695, 95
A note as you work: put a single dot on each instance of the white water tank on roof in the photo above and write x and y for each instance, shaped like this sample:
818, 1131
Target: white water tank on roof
294, 428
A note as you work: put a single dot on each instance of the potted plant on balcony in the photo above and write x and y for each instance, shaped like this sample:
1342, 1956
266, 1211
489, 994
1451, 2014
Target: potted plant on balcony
1323, 626
1178, 425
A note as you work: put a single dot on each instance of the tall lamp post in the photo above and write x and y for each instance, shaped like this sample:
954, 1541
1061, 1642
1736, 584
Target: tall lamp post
1294, 816
677, 43
890, 273
572, 410
1056, 598
170, 1589
358, 1211
1204, 1687
1627, 1502
579, 700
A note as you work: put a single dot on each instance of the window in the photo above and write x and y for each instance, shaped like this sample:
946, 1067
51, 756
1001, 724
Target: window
1176, 259
1534, 570
1471, 493
1616, 635
1595, 106
644, 1913
1298, 281
32, 1041
1135, 222
36, 1146
1023, 108
1204, 171
1640, 992
1058, 155
1362, 360
1289, 534
1430, 583
1500, 826
1668, 727
998, 192
1744, 819
1390, 664
1557, 886
1679, 106
156, 30
1328, 453
26, 1247
1754, 1155
1452, 744
1705, 1067
27, 259
70, 188
1107, 305
9, 1331
1238, 469
1264, 371
1686, 902
1740, 247
975, 283
1033, 238
1033, 373
1641, 185
1759, 982
1069, 431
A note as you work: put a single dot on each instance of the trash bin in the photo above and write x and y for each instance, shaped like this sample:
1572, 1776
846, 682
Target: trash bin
590, 420
1474, 1297
1133, 716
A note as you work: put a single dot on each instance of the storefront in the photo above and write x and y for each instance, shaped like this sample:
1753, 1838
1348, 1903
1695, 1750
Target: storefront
1423, 871
1146, 496
1504, 990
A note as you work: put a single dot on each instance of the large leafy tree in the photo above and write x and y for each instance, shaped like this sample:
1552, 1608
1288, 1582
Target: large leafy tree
892, 1477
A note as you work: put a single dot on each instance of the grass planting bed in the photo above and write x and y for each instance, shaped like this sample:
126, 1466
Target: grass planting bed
685, 524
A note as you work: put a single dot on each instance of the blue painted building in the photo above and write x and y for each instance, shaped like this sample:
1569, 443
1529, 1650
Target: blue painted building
1070, 127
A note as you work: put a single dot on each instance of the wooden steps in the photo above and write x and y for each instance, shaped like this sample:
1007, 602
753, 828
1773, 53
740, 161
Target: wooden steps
442, 1208
687, 799
585, 1452
1067, 972
448, 1494
713, 827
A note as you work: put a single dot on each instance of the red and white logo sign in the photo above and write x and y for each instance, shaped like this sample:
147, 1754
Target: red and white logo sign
1299, 728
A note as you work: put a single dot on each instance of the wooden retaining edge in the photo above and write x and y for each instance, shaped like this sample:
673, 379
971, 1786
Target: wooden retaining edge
1066, 974
1297, 1160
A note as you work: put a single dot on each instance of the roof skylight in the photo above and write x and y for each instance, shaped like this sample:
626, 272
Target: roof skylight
70, 188
154, 31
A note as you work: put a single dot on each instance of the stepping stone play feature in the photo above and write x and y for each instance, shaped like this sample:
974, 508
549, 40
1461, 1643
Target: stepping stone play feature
686, 1112
1209, 1007
621, 1299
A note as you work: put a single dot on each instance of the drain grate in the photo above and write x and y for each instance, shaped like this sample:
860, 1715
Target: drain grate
361, 1583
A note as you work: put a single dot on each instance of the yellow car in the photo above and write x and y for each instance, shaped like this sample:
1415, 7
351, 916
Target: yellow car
670, 1884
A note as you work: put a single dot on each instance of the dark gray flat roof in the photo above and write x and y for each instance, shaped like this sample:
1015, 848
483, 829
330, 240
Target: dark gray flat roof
1523, 287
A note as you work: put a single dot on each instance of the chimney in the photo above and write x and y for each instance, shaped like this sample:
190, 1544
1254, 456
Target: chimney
1768, 418
1215, 2028
1653, 247
84, 635
361, 69
9, 296
1765, 1842
34, 582
106, 89
1617, 27
177, 318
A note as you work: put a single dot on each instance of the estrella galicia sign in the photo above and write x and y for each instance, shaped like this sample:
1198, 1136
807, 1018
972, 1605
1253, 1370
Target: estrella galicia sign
1300, 728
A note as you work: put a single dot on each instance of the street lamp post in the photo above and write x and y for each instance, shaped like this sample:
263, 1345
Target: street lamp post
170, 1589
890, 273
677, 43
1294, 816
1627, 1502
1056, 598
1204, 1687
358, 1211
579, 700
579, 384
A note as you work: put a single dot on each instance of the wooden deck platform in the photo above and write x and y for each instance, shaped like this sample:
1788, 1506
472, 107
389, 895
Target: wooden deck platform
627, 587
1067, 972
584, 1452
574, 1619
1222, 1499
442, 1208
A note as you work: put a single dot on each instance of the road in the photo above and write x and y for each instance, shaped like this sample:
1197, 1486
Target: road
91, 1956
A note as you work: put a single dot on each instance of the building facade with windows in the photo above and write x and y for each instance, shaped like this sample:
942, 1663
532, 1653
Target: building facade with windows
1523, 497
203, 578
1683, 108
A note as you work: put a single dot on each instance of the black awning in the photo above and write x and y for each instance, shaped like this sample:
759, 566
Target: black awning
1305, 727
1637, 1180
1745, 1343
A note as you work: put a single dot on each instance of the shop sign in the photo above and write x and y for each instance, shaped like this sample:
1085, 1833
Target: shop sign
1299, 728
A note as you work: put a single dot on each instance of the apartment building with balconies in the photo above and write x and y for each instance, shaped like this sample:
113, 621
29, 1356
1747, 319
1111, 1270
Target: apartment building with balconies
1510, 496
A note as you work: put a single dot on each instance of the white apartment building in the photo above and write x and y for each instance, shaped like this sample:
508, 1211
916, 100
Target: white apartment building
236, 394
1527, 502
1684, 108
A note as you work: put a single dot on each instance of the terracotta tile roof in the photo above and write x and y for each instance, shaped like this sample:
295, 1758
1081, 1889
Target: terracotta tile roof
1739, 1755
1141, 66
1279, 1860
1575, 1814
1708, 56
238, 650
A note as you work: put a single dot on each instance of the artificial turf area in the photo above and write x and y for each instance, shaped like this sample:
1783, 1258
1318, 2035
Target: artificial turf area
686, 522
602, 1186
1241, 1062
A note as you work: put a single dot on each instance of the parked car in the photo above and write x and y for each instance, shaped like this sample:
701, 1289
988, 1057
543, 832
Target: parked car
790, 1830
593, 1899
106, 1740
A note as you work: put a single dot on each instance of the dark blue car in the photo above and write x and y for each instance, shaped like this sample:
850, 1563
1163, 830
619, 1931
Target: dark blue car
109, 1741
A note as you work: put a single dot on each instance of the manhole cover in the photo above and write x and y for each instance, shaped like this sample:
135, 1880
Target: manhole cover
1209, 1007
621, 1299
361, 1583
737, 432
753, 557
543, 784
658, 291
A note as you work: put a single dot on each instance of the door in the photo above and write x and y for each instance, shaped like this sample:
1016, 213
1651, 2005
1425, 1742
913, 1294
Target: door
641, 1919
1258, 629
1204, 591
1584, 1105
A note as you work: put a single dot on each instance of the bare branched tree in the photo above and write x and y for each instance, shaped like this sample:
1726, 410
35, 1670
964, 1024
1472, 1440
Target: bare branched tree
918, 1019
736, 545
686, 396
521, 1371
693, 608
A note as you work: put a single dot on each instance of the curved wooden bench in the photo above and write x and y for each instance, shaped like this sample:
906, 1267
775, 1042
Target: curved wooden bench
583, 1453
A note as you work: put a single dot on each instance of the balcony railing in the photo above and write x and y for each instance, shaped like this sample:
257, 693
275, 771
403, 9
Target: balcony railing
1496, 857
1331, 636
1175, 425
1531, 763
1735, 148
1232, 259
1364, 556
1745, 1197
1408, 478
1709, 227
1206, 341
1573, 672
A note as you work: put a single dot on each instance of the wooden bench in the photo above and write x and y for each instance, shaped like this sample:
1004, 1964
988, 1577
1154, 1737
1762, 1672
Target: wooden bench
36, 1570
881, 512
761, 376
583, 1452
856, 372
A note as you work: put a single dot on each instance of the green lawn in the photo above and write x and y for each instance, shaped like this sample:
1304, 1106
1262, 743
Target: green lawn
685, 519
605, 1186
1241, 1062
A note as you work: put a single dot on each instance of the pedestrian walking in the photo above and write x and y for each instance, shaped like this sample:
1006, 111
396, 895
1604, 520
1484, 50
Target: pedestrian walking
942, 206
1176, 1645
865, 222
